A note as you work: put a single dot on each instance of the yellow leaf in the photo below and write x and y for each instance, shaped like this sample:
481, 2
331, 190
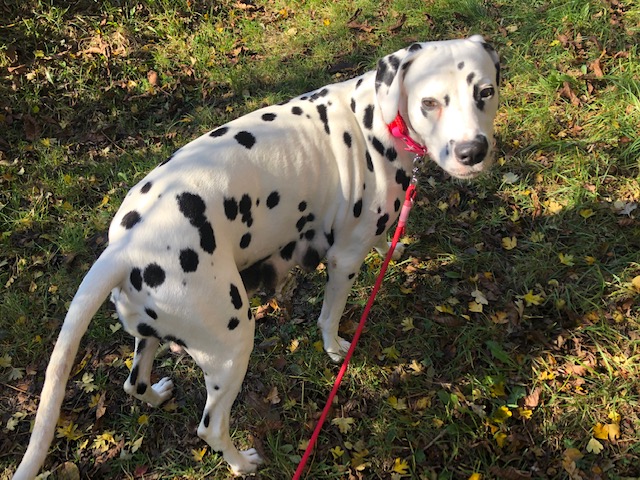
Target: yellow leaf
479, 297
532, 299
546, 375
318, 346
591, 260
525, 413
343, 423
475, 307
502, 414
601, 431
104, 201
586, 213
445, 309
68, 431
572, 454
397, 403
336, 452
614, 416
614, 431
509, 243
553, 207
566, 259
407, 324
500, 438
475, 476
423, 403
497, 390
293, 346
143, 419
636, 283
198, 455
594, 446
400, 466
326, 22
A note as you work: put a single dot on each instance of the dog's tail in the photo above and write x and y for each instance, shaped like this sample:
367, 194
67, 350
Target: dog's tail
104, 275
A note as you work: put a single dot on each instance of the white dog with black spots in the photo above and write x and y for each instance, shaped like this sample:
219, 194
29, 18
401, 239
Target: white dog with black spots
318, 177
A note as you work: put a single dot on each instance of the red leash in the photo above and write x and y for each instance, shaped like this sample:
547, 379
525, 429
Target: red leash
404, 214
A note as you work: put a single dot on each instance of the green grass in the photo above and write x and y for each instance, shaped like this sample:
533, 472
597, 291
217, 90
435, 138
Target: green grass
94, 94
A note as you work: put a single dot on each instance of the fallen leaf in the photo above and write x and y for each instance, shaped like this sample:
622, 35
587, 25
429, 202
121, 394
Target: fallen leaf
533, 399
343, 423
509, 243
594, 446
400, 466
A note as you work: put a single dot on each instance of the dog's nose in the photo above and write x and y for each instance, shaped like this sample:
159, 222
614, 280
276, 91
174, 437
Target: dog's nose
472, 152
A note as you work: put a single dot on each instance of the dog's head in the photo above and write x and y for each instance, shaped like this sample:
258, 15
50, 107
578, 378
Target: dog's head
447, 94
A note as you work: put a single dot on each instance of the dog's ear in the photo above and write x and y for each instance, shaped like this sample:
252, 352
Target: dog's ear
390, 78
491, 51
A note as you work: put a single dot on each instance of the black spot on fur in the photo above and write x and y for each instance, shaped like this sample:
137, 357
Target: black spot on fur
146, 330
319, 94
153, 275
311, 259
296, 110
377, 144
133, 376
273, 199
382, 224
330, 237
189, 260
322, 111
347, 139
402, 178
193, 207
460, 65
470, 78
357, 208
447, 100
353, 105
151, 313
231, 208
261, 272
219, 132
236, 299
142, 344
359, 82
146, 187
233, 323
391, 154
396, 204
216, 387
367, 156
130, 219
367, 119
245, 209
249, 314
245, 240
269, 117
301, 223
246, 139
287, 251
310, 234
205, 420
415, 47
386, 71
351, 275
302, 206
135, 277
141, 388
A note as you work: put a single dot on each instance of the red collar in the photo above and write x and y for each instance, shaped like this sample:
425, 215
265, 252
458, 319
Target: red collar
398, 128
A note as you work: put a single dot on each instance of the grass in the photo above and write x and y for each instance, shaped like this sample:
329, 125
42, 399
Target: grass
542, 383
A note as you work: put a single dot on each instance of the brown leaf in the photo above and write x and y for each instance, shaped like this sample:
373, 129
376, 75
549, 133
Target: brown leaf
567, 93
596, 68
31, 128
398, 25
509, 473
100, 408
532, 400
152, 76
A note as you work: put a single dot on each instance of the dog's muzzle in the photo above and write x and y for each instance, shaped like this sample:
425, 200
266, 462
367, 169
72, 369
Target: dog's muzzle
472, 152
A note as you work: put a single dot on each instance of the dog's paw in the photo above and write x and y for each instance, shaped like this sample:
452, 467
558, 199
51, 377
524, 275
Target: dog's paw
338, 350
397, 252
248, 464
163, 391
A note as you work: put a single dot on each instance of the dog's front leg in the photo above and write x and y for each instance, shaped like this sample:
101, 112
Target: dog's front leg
342, 269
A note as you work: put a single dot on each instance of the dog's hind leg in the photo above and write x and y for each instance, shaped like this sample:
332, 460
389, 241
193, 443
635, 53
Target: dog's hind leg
138, 383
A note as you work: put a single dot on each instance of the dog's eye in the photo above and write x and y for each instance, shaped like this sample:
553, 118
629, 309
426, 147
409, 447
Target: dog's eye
487, 92
430, 104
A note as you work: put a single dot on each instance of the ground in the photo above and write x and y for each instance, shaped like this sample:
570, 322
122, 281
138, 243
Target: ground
505, 343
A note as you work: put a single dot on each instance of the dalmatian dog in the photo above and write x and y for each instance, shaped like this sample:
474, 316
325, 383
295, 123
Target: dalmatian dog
321, 176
